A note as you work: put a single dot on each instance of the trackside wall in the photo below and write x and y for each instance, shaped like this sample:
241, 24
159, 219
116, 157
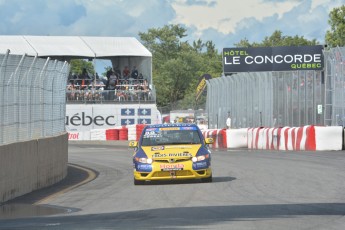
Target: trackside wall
30, 165
33, 140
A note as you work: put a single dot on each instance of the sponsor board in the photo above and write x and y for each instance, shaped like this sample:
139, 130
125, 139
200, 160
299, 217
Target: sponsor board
75, 136
282, 58
80, 118
200, 89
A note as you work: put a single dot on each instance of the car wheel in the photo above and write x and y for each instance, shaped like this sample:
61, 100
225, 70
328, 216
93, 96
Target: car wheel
207, 180
138, 182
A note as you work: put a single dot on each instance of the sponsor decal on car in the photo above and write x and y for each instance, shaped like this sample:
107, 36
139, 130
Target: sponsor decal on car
144, 167
155, 148
163, 155
179, 147
200, 165
170, 128
170, 167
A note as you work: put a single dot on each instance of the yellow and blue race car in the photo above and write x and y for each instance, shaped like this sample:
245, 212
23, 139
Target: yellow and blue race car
171, 152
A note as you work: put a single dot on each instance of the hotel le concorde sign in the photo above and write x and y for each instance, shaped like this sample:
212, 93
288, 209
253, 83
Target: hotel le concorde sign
284, 58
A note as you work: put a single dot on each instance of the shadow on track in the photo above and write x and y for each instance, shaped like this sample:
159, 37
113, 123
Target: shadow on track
173, 218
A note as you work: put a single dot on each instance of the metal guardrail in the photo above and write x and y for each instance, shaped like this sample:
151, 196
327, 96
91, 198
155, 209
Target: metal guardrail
109, 96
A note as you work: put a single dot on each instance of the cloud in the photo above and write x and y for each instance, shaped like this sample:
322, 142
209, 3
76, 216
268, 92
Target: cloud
222, 21
200, 3
205, 17
83, 17
38, 17
305, 18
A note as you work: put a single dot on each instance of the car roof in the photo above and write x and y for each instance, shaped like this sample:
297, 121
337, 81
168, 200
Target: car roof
172, 125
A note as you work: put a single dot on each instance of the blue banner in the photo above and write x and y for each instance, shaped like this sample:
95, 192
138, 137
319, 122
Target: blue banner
127, 121
144, 112
144, 121
127, 112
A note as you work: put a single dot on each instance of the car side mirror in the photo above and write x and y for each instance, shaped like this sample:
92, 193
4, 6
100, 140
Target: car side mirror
209, 141
133, 144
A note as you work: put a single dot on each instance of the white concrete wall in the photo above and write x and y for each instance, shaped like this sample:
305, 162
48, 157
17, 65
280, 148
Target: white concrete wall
31, 165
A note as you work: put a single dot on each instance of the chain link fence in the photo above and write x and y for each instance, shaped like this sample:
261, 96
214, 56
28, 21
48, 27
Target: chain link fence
335, 86
276, 99
32, 97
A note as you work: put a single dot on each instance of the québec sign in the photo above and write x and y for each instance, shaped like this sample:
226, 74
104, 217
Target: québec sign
283, 58
85, 120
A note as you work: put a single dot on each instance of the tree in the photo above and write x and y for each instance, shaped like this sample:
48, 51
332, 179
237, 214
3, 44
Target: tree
177, 65
336, 35
277, 39
77, 66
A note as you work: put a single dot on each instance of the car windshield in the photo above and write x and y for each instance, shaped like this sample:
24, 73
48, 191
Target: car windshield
170, 136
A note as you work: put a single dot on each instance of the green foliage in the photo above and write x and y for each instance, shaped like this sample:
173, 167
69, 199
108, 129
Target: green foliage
177, 65
277, 39
336, 35
77, 66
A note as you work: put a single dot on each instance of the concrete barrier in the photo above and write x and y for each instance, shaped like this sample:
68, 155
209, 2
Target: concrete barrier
310, 137
329, 138
31, 165
236, 138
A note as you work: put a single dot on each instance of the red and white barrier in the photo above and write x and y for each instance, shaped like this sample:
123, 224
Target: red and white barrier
296, 138
129, 132
139, 129
132, 132
310, 138
236, 138
112, 134
329, 138
217, 135
97, 134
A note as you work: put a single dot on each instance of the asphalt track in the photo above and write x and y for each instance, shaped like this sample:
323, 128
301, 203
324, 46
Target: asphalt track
251, 190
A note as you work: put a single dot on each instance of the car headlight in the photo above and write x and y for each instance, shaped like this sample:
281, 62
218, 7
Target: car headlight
201, 158
143, 160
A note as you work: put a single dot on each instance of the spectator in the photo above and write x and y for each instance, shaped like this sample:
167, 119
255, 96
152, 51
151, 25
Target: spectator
99, 84
117, 72
71, 92
228, 122
146, 89
109, 73
112, 81
134, 73
125, 73
104, 80
97, 76
85, 76
140, 77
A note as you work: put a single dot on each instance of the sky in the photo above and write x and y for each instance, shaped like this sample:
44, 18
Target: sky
224, 22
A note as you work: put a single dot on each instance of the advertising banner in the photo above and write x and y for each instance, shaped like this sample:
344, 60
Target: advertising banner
86, 117
284, 58
202, 85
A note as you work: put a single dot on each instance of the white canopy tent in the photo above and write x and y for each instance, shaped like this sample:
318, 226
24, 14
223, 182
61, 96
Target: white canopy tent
121, 51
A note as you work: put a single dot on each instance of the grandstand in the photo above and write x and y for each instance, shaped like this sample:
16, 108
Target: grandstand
89, 96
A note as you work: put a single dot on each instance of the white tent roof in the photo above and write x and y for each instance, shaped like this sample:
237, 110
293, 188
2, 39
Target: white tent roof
73, 46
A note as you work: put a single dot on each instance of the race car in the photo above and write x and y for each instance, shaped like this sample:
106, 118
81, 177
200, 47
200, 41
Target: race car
171, 152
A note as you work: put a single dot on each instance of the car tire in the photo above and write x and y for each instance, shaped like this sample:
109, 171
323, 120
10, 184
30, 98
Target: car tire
206, 180
138, 182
